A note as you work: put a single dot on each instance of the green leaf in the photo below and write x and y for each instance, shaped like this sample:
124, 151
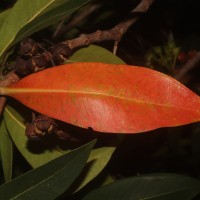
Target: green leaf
33, 16
95, 53
16, 128
50, 180
3, 16
97, 161
6, 149
153, 186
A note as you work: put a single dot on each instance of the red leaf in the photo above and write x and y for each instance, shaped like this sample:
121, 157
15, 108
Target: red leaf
108, 98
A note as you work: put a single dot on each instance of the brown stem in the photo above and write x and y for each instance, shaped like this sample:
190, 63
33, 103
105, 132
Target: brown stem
191, 63
62, 28
114, 33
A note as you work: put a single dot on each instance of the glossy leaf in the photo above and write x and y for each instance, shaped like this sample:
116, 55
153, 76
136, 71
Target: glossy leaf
108, 97
34, 16
6, 149
50, 180
149, 187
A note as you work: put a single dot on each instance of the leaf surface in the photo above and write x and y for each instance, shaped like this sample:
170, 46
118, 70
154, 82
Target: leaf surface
149, 187
50, 180
33, 16
6, 149
108, 97
3, 16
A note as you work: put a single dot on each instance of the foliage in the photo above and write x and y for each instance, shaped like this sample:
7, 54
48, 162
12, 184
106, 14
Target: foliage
50, 177
57, 169
152, 186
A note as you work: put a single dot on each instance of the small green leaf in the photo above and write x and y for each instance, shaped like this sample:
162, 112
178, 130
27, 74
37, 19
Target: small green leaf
152, 187
6, 149
50, 180
95, 53
33, 16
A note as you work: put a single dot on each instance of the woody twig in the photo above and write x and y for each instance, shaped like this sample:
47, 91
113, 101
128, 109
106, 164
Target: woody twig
114, 33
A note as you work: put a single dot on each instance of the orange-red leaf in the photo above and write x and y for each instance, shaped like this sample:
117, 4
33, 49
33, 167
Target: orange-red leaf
108, 97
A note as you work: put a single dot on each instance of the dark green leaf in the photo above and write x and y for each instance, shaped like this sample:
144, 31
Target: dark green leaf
6, 149
152, 187
50, 180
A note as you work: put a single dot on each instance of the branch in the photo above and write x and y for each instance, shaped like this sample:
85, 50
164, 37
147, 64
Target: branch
143, 6
114, 33
62, 28
191, 63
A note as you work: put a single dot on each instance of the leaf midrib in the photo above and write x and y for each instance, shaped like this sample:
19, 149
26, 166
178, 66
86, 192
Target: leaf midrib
10, 91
